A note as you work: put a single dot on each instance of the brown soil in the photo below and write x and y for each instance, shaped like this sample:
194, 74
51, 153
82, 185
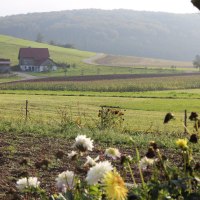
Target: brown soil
21, 155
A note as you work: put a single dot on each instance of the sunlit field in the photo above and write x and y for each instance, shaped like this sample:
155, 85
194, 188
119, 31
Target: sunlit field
141, 113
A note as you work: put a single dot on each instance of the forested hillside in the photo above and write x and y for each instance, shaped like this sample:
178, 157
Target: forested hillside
124, 32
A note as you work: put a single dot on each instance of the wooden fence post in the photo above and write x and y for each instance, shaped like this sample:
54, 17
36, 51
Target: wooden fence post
185, 121
26, 110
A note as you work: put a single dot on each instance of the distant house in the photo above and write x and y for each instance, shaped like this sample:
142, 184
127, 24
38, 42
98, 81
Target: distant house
4, 65
35, 60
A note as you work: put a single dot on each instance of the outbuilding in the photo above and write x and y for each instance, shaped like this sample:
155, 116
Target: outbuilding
4, 65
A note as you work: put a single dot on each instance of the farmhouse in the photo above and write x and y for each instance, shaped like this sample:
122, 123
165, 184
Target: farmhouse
4, 65
35, 60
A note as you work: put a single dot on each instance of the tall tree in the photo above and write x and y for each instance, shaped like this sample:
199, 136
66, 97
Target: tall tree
39, 38
196, 62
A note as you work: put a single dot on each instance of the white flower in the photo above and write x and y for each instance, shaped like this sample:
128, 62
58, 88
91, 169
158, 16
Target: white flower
65, 180
22, 183
72, 155
97, 172
90, 161
83, 143
113, 153
144, 162
30, 182
33, 182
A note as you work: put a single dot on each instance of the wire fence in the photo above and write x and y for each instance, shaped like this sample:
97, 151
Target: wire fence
137, 120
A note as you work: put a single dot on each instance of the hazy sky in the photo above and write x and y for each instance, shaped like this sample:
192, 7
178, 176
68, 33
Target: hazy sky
10, 7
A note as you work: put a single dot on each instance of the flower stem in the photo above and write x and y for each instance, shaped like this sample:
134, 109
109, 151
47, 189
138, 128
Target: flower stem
163, 165
132, 175
140, 170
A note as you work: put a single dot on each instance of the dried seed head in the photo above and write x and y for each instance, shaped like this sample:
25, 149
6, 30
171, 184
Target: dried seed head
153, 145
193, 116
116, 112
100, 113
125, 158
121, 113
168, 117
194, 138
150, 153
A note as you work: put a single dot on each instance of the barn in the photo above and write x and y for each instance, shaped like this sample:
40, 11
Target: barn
35, 60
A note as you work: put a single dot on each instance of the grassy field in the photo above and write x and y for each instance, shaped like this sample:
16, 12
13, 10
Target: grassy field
144, 111
8, 78
167, 94
145, 106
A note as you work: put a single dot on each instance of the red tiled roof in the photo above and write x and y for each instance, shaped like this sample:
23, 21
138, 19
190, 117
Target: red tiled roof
35, 53
39, 62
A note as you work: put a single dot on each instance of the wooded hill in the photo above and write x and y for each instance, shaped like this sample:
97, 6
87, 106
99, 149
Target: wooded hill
121, 32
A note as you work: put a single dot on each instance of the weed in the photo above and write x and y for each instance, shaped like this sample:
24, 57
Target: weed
111, 117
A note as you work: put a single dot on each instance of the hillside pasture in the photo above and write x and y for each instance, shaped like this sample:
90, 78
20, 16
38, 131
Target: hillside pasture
9, 48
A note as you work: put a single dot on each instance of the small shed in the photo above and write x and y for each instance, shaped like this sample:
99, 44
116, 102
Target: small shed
4, 65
